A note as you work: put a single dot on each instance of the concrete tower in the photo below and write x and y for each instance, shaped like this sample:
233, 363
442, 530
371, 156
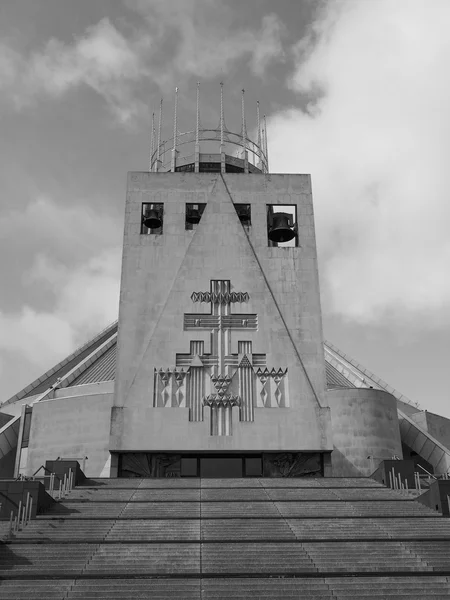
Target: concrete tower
220, 365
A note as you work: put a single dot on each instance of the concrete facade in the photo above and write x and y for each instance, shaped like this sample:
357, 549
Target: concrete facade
161, 272
365, 430
71, 427
436, 425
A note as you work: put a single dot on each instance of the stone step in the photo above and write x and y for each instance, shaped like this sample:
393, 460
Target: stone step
34, 589
338, 482
222, 589
74, 509
238, 518
400, 595
290, 528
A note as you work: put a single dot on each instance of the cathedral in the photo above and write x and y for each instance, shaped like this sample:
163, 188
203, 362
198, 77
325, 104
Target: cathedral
217, 365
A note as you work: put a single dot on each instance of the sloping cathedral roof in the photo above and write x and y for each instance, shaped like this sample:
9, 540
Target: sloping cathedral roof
95, 362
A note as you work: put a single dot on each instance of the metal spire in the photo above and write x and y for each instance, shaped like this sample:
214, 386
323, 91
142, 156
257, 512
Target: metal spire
222, 128
175, 116
258, 125
244, 133
222, 120
197, 125
152, 143
244, 126
197, 133
263, 152
159, 134
175, 133
265, 143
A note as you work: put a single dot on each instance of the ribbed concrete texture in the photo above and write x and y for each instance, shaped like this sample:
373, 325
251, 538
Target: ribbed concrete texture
229, 539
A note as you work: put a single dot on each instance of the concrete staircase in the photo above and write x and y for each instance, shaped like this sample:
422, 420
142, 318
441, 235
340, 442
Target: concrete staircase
229, 539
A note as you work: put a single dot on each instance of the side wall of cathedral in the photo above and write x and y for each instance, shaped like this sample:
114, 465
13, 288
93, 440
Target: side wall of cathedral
365, 430
73, 424
220, 341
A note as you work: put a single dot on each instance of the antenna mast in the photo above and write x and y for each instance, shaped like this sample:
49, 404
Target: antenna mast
158, 149
197, 133
222, 127
258, 126
265, 143
175, 133
152, 144
244, 133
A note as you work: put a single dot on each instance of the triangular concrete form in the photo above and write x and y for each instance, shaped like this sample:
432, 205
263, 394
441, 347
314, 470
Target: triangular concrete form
220, 249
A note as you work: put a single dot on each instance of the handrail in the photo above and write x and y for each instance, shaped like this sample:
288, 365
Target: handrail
82, 458
41, 467
425, 432
72, 458
427, 472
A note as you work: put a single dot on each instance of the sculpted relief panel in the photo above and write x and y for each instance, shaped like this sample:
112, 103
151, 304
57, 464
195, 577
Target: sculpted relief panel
220, 379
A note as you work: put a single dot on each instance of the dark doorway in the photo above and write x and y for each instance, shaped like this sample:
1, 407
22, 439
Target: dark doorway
210, 466
221, 467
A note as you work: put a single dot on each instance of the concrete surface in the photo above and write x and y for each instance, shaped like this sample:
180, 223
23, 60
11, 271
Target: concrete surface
365, 424
70, 428
159, 274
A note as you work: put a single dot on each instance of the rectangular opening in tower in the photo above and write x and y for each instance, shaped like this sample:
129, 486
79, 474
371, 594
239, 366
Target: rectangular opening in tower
244, 212
193, 215
152, 218
282, 225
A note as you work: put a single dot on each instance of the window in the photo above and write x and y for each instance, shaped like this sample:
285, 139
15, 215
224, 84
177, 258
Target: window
282, 225
152, 218
190, 168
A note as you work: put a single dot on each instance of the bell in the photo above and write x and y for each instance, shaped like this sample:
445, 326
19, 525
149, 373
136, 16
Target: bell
193, 216
281, 229
152, 220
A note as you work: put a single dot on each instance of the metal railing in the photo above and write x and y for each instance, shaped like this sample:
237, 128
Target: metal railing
23, 516
82, 458
396, 482
65, 484
428, 474
427, 477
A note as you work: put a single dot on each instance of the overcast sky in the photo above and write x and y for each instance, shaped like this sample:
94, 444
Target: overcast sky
357, 93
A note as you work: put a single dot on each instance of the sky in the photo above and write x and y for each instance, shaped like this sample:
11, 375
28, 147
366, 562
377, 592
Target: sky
356, 93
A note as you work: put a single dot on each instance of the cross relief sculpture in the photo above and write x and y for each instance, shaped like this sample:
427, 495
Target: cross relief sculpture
220, 379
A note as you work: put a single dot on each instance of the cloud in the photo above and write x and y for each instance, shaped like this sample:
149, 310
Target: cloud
375, 138
268, 46
176, 40
76, 269
86, 300
102, 59
207, 39
74, 231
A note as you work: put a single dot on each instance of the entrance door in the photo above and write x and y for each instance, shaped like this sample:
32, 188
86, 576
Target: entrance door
212, 467
143, 464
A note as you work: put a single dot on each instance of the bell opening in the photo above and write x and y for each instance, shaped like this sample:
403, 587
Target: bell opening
194, 214
282, 225
152, 219
244, 214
